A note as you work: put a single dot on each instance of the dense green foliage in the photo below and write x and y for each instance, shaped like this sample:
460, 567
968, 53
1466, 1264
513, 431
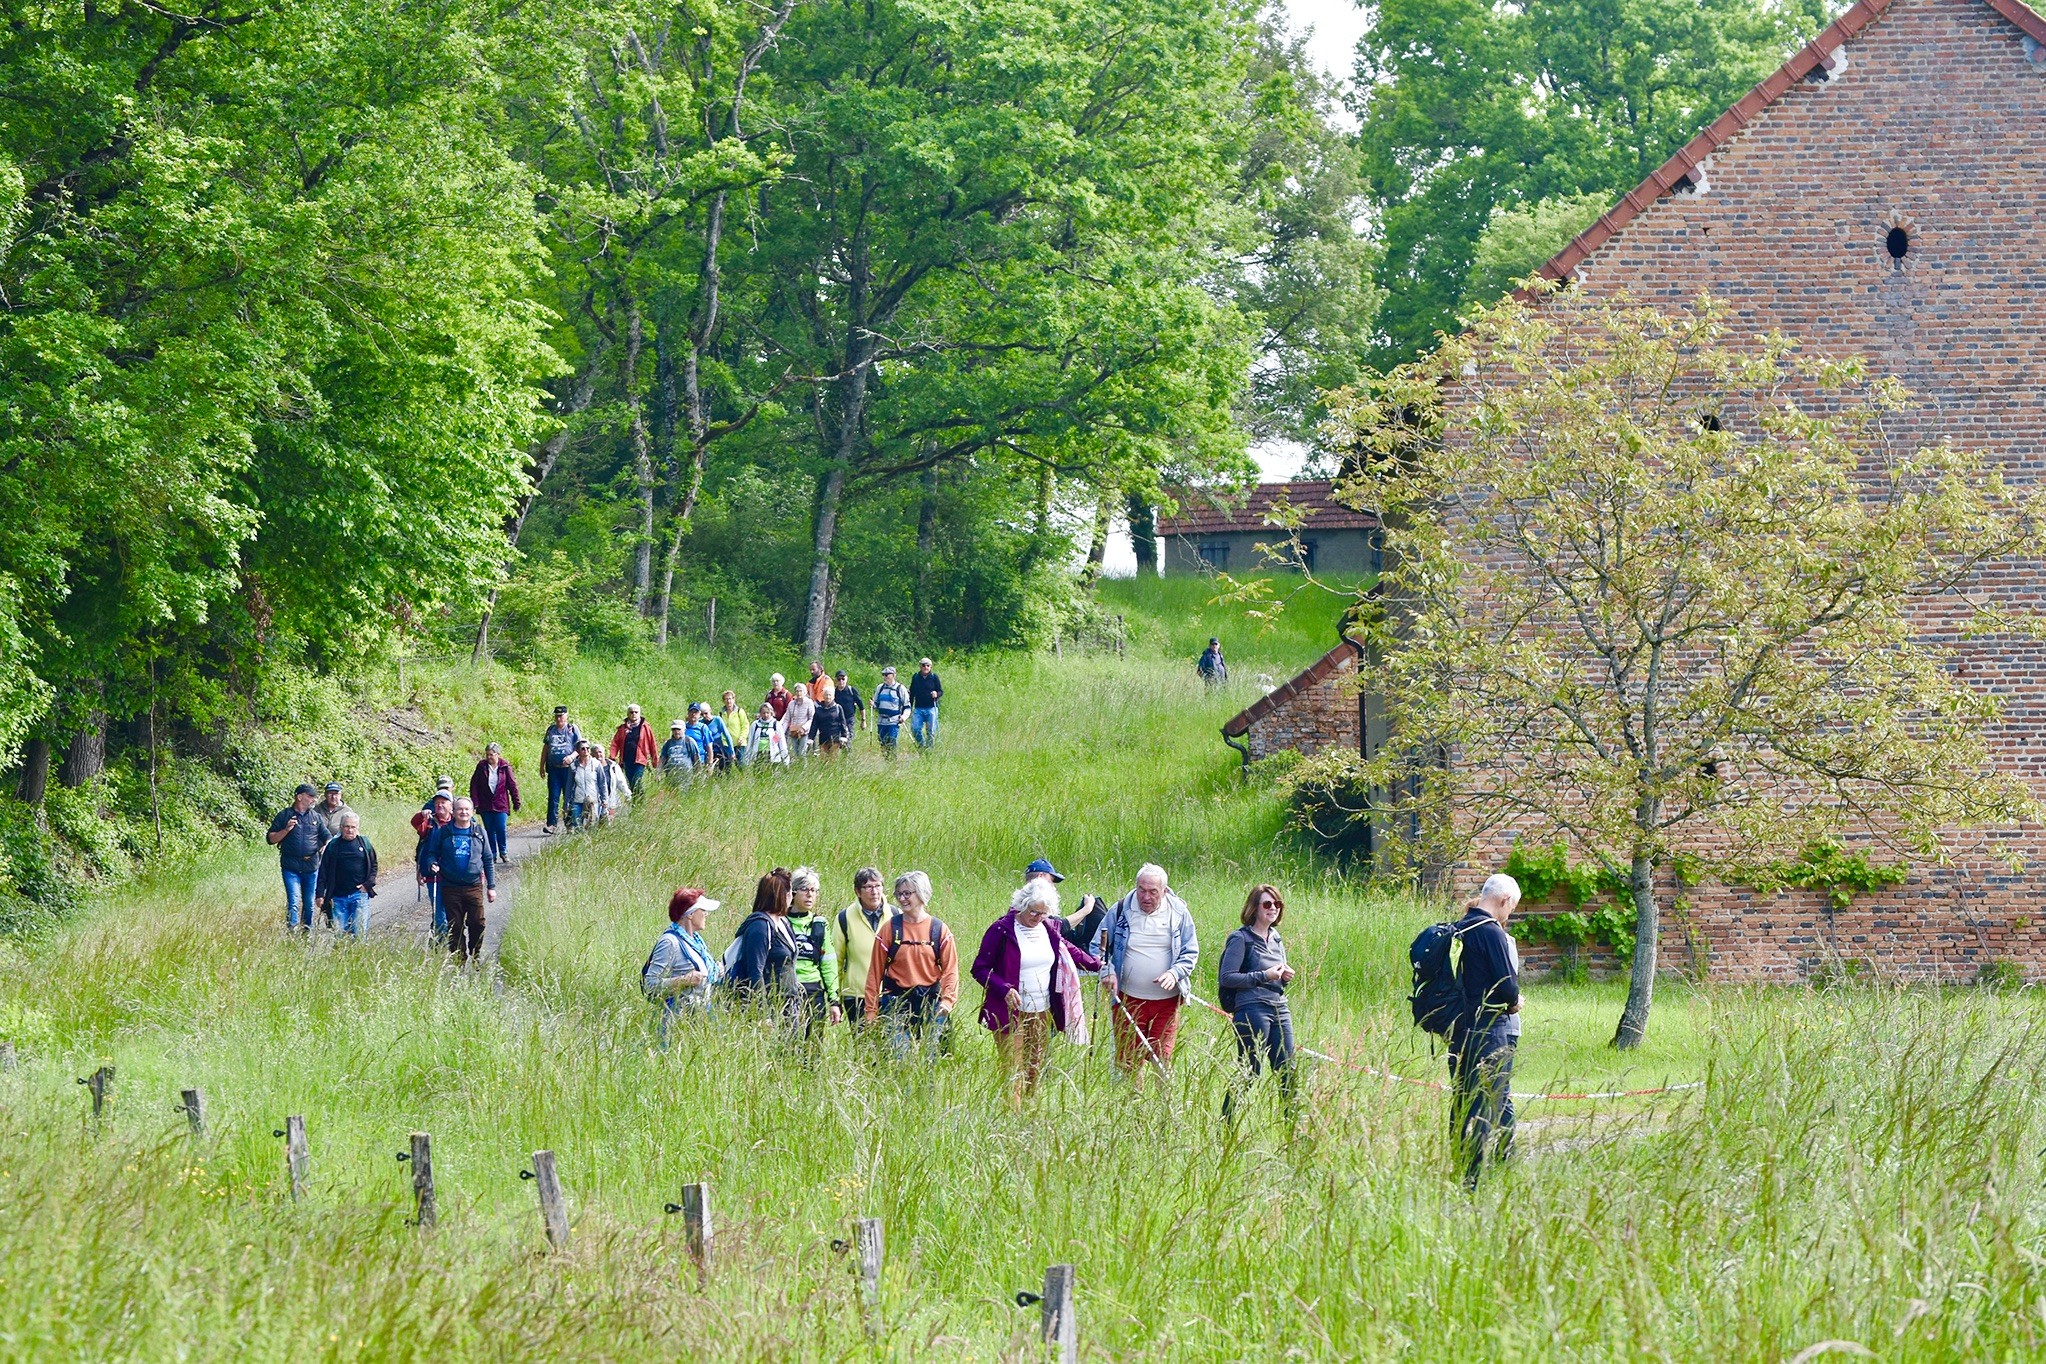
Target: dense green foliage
1862, 1164
1504, 119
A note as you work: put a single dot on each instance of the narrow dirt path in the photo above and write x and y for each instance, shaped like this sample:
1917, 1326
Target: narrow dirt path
413, 917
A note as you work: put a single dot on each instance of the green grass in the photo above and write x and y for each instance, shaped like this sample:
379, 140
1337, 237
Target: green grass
1862, 1165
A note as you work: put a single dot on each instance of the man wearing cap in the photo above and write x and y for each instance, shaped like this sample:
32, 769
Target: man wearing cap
439, 810
300, 836
924, 691
632, 747
468, 879
1086, 918
680, 754
891, 703
1212, 669
849, 703
557, 753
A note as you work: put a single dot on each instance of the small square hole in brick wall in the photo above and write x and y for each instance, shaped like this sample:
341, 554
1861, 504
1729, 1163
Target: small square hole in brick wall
1897, 243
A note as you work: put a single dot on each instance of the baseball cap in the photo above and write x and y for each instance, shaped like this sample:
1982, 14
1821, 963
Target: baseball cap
888, 671
1041, 865
304, 790
443, 783
678, 725
561, 710
333, 786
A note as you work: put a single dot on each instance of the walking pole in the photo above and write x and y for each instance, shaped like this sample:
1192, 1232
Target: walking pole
1140, 1036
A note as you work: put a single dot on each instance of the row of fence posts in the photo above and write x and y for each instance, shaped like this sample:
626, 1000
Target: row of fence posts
1057, 1323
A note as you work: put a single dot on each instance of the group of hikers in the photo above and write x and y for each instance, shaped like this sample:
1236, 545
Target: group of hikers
894, 973
587, 783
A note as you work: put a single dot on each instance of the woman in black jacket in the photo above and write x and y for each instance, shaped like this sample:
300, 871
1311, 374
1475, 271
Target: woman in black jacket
762, 963
1252, 978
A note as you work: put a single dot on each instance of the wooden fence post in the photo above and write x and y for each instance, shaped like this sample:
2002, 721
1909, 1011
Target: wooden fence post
426, 1214
97, 1083
1055, 1320
870, 1246
297, 1160
193, 1105
552, 1210
696, 1223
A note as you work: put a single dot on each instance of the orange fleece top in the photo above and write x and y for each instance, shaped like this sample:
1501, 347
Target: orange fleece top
914, 963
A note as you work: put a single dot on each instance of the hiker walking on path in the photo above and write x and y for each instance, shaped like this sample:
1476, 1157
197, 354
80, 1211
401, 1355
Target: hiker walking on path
632, 747
680, 755
853, 933
1486, 1031
735, 724
849, 703
1081, 930
1148, 951
300, 835
795, 721
331, 808
891, 703
913, 974
778, 695
494, 791
468, 879
1251, 981
588, 777
1032, 978
680, 972
439, 810
762, 963
924, 691
348, 877
557, 759
766, 743
816, 962
827, 725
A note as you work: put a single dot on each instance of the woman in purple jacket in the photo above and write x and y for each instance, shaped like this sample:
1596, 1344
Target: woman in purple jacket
494, 791
1031, 974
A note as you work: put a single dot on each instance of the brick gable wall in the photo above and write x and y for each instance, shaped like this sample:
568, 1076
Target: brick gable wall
1936, 124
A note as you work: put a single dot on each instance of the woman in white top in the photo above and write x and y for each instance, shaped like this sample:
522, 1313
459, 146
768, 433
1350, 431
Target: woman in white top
1032, 978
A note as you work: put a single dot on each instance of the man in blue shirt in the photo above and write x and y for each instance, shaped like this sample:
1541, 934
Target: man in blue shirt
680, 754
891, 703
557, 756
460, 853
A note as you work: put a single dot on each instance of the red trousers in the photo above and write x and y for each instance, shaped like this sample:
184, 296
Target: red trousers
1158, 1022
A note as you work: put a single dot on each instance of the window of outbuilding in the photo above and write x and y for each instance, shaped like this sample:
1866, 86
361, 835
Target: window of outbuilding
1214, 556
1897, 243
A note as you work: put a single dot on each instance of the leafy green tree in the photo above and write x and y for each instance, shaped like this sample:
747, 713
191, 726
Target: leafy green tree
1658, 594
1469, 107
267, 355
989, 244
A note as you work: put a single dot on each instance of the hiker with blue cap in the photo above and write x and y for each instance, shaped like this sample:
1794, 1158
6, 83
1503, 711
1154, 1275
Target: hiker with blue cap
1085, 923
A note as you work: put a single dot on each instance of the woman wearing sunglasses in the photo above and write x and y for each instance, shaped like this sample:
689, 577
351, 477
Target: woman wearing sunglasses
1252, 987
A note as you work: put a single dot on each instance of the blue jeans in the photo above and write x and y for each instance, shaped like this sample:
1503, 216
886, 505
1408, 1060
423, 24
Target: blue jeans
558, 779
440, 916
910, 1019
298, 897
888, 735
923, 725
583, 813
497, 826
351, 913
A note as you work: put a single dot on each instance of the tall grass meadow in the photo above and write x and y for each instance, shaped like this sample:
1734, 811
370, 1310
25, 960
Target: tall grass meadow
1862, 1165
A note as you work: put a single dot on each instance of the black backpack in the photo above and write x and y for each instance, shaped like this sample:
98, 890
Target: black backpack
1437, 998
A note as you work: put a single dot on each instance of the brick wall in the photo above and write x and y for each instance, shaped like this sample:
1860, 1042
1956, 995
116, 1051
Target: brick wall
1936, 124
1312, 712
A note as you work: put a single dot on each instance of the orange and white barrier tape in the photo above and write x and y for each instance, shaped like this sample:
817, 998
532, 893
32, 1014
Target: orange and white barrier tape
1439, 1085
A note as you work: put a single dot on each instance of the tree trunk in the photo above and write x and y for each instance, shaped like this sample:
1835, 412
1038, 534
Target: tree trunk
1097, 544
544, 456
642, 460
87, 756
926, 542
1641, 985
1144, 534
819, 603
35, 771
851, 414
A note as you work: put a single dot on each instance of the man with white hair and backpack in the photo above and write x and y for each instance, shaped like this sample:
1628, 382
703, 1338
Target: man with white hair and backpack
1482, 1017
1148, 951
